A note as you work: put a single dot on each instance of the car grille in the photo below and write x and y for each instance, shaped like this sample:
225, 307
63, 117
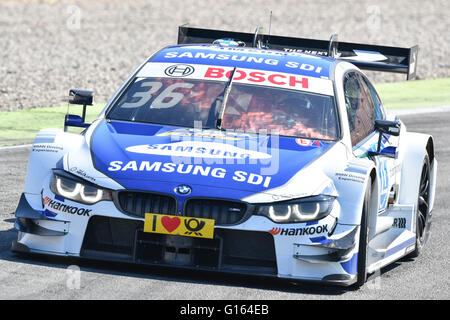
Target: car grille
241, 251
222, 211
139, 203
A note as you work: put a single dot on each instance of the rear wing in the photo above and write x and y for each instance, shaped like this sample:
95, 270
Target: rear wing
364, 56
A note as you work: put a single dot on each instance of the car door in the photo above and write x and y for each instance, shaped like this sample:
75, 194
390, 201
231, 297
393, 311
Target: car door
363, 108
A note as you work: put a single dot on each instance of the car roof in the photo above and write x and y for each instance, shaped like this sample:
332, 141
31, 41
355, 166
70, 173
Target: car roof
251, 58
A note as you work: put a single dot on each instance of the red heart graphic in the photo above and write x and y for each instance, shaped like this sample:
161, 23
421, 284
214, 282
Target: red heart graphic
170, 223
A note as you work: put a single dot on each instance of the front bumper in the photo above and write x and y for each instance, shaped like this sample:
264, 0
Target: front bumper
35, 222
257, 246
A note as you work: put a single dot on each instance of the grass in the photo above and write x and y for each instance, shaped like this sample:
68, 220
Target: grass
20, 127
415, 94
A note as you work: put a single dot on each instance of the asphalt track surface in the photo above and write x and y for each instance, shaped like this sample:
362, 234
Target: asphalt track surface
426, 277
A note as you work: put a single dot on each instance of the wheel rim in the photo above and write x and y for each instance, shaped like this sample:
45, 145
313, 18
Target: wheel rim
423, 201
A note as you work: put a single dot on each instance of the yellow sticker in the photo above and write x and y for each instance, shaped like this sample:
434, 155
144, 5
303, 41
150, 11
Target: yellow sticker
177, 225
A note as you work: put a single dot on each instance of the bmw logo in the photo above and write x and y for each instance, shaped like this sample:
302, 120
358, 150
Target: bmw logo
183, 189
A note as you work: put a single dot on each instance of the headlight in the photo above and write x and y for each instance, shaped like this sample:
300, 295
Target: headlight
77, 190
299, 210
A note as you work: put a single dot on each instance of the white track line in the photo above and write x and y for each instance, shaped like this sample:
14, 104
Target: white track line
16, 147
413, 111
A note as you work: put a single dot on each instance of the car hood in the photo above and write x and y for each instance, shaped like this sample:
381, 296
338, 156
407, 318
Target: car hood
155, 157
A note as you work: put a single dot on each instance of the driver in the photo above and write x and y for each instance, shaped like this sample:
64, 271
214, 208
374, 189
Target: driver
292, 114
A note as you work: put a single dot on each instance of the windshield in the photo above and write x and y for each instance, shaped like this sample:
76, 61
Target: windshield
286, 112
181, 102
177, 102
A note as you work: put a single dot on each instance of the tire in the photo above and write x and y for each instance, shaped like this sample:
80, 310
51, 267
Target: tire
423, 199
364, 238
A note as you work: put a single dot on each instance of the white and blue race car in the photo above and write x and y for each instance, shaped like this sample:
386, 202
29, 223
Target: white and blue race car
242, 153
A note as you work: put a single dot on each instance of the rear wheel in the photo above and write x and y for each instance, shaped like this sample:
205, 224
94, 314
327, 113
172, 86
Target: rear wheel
423, 200
364, 238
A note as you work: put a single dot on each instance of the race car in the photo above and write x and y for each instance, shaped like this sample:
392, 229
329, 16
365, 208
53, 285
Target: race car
239, 153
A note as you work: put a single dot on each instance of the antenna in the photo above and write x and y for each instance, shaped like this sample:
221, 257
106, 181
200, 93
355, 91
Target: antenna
270, 21
333, 46
257, 42
270, 25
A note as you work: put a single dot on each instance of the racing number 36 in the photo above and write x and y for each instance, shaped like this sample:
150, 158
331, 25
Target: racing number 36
166, 99
176, 225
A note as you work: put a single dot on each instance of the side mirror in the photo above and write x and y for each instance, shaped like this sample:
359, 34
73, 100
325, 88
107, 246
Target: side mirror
81, 97
389, 127
386, 127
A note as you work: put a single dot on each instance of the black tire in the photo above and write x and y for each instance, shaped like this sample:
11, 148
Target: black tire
364, 238
423, 200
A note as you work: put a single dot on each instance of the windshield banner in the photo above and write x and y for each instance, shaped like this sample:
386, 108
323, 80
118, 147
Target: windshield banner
241, 75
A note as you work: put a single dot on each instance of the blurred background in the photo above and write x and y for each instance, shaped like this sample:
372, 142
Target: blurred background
50, 46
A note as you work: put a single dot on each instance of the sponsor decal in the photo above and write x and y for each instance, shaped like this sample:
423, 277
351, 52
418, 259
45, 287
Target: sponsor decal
313, 52
221, 56
275, 231
383, 176
46, 148
277, 79
182, 168
229, 43
399, 223
308, 143
178, 225
236, 56
304, 231
81, 173
61, 207
350, 177
46, 200
287, 79
395, 170
198, 149
179, 70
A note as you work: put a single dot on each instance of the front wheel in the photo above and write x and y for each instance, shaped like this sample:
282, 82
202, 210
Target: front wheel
423, 200
364, 238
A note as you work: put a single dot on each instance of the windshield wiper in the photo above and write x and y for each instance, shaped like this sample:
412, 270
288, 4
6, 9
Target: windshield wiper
223, 98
